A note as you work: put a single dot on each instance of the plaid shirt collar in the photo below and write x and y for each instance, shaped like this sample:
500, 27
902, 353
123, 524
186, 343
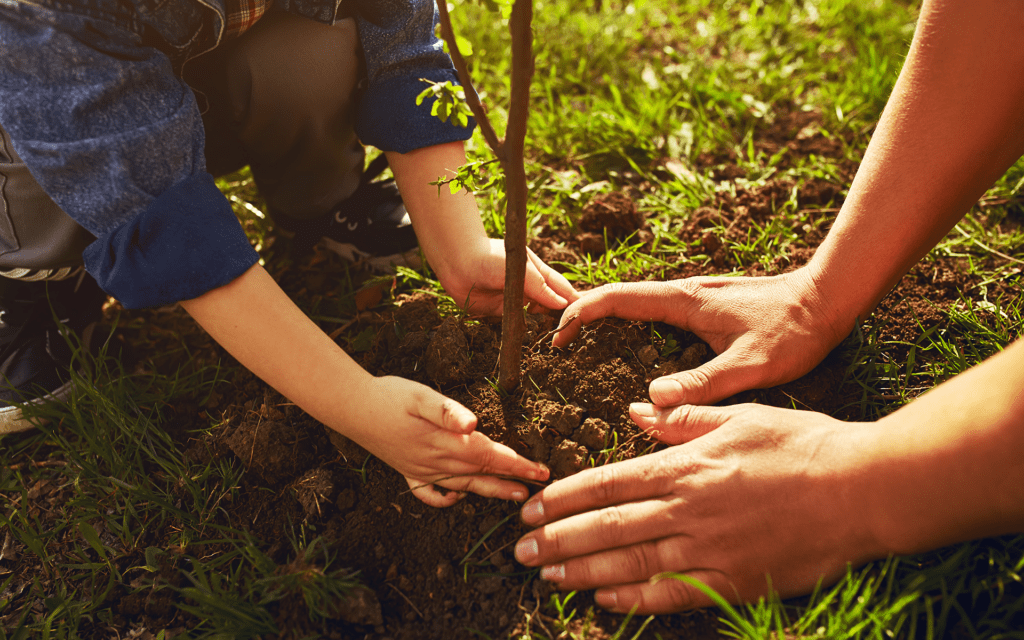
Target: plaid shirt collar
242, 14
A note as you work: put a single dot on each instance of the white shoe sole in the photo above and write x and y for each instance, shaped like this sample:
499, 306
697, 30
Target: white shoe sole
383, 264
12, 419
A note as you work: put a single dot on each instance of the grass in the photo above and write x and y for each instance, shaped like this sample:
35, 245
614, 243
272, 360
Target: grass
618, 91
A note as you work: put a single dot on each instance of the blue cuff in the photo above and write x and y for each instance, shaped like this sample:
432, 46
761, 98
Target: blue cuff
187, 242
390, 119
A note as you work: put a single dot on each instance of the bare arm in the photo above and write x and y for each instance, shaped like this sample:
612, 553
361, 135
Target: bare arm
416, 430
470, 266
953, 124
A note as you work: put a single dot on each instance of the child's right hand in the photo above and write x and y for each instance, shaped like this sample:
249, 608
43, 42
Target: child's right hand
431, 440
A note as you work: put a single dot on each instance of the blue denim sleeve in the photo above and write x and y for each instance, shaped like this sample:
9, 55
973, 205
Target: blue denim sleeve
116, 139
184, 244
401, 50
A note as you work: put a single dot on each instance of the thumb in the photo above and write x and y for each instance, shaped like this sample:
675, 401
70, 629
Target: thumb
675, 425
721, 377
443, 412
546, 286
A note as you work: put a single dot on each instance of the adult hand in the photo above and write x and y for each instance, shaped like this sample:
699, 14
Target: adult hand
479, 288
766, 331
431, 440
767, 492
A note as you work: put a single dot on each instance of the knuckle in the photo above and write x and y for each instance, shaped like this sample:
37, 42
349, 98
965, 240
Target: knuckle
610, 525
682, 414
702, 382
688, 287
613, 289
553, 544
487, 460
605, 484
678, 595
638, 562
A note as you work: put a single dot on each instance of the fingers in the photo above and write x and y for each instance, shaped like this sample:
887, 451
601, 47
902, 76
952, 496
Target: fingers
477, 464
648, 301
486, 456
429, 494
488, 487
443, 412
635, 525
643, 578
664, 593
734, 370
638, 479
545, 286
676, 425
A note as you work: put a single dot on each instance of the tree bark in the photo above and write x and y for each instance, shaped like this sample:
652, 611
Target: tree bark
509, 152
513, 321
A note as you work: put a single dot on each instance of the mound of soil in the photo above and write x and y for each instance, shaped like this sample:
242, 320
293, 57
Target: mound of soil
449, 573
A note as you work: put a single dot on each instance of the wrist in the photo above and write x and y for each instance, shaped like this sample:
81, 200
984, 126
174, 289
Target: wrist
946, 469
858, 493
827, 308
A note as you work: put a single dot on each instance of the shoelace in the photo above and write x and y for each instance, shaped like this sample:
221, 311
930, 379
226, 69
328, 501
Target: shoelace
310, 232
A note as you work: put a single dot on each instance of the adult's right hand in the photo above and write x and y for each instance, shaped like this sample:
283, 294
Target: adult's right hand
765, 331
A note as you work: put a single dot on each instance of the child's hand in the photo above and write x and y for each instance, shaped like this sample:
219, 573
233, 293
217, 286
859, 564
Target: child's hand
478, 288
430, 439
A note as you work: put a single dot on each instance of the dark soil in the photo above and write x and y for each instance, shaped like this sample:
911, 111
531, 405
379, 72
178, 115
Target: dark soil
450, 573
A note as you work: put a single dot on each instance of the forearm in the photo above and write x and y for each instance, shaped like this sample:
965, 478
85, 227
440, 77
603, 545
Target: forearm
262, 328
948, 466
953, 125
448, 225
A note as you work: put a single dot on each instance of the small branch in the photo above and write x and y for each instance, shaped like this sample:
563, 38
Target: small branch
406, 598
467, 83
38, 464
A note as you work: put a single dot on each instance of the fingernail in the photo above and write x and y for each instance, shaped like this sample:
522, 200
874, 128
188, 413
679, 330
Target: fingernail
526, 550
606, 598
533, 512
666, 391
542, 472
642, 411
519, 496
553, 573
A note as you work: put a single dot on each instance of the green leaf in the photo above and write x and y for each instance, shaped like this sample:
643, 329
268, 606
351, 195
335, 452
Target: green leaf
465, 46
152, 564
93, 538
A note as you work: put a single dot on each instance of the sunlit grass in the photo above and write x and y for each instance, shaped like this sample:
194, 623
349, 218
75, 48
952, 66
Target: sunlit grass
618, 91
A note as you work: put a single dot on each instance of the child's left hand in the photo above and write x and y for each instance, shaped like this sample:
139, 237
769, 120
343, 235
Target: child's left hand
479, 288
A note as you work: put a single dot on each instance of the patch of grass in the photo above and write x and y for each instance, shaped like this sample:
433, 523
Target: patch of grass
618, 91
124, 503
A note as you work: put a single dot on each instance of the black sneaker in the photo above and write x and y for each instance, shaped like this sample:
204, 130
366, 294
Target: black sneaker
371, 225
35, 359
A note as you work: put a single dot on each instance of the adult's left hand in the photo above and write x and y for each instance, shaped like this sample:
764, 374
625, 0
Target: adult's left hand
755, 493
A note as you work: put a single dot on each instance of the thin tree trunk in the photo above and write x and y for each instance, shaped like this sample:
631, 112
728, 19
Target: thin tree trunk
510, 153
513, 322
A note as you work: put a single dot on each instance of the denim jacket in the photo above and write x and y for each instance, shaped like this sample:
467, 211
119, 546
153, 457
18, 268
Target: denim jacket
92, 97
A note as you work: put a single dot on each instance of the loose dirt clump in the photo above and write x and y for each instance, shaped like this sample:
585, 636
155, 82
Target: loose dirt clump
609, 218
447, 358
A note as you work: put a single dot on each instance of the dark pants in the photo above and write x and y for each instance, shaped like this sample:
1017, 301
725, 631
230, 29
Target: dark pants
279, 99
